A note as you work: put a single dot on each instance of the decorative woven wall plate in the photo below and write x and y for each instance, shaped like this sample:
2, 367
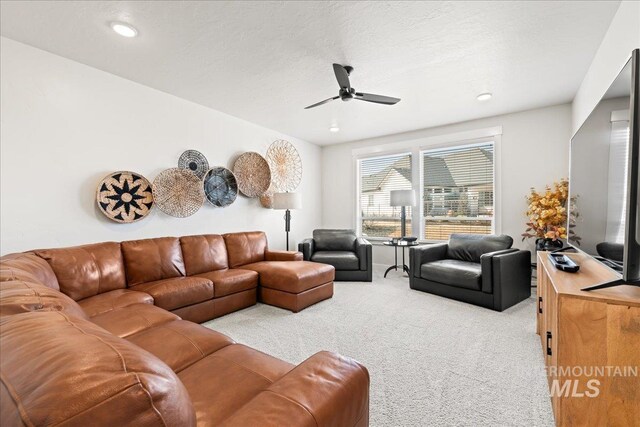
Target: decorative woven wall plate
124, 196
286, 165
220, 187
252, 174
178, 192
194, 161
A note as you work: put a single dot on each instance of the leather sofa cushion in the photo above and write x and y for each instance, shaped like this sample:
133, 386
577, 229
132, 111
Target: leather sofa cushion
292, 276
177, 292
248, 370
245, 248
180, 344
149, 260
112, 300
19, 296
341, 260
85, 271
470, 247
335, 380
62, 370
452, 272
227, 282
334, 240
28, 267
132, 319
203, 253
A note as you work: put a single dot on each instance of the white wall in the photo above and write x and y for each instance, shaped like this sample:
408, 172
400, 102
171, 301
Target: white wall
66, 125
534, 152
621, 38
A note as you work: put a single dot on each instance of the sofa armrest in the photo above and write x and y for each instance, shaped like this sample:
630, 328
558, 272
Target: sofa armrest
307, 247
423, 254
325, 390
282, 256
486, 263
364, 251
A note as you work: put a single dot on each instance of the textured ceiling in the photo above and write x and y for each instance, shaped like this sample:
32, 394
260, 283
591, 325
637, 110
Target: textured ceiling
265, 61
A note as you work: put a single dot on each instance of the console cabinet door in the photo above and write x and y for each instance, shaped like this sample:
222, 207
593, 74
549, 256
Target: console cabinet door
551, 347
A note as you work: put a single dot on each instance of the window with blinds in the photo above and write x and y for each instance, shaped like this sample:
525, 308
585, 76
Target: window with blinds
617, 182
457, 191
378, 176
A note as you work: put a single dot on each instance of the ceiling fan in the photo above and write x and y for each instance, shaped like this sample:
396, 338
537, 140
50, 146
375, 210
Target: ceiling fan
347, 93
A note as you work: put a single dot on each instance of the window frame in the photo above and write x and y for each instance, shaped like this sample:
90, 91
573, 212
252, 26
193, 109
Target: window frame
416, 147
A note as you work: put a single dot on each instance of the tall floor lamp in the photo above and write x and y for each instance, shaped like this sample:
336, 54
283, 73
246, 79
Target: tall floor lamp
286, 202
403, 198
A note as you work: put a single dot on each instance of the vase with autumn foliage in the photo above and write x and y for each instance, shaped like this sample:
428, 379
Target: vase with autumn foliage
547, 214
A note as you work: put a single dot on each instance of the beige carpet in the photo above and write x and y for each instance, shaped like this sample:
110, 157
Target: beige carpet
432, 361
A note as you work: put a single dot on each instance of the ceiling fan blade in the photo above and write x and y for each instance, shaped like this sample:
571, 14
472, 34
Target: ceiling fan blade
342, 76
378, 99
322, 102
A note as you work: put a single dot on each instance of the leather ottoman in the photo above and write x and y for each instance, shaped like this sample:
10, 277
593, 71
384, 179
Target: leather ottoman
293, 285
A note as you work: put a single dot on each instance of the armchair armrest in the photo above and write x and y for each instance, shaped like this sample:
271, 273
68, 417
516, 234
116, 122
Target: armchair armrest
325, 390
423, 254
307, 247
486, 264
511, 278
364, 251
282, 256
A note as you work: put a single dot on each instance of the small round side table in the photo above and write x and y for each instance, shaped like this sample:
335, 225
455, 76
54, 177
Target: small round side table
403, 245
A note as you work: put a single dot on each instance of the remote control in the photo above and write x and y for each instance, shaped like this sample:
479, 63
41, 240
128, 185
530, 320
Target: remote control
563, 263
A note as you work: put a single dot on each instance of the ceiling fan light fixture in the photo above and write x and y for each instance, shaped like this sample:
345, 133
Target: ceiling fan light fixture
484, 96
125, 30
347, 93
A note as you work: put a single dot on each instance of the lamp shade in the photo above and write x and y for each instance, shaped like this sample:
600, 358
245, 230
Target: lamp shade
287, 201
403, 198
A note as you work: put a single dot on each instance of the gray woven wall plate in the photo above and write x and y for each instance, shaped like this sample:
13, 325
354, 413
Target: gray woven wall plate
285, 164
124, 196
194, 161
178, 192
252, 174
220, 187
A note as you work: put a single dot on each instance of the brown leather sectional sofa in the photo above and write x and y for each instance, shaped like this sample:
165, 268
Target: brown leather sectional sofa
95, 335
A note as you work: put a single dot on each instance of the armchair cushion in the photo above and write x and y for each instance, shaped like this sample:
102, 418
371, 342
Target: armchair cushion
334, 240
422, 254
341, 260
470, 247
610, 250
453, 272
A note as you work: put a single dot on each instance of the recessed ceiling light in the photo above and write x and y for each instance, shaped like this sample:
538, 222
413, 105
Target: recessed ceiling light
125, 30
334, 129
484, 96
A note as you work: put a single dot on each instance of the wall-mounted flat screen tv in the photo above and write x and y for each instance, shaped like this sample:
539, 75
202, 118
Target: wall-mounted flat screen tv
604, 179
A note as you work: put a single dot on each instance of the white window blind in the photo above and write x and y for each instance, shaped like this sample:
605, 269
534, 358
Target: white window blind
379, 176
617, 194
458, 190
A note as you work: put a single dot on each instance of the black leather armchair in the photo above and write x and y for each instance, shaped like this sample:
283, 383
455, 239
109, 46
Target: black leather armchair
349, 254
478, 269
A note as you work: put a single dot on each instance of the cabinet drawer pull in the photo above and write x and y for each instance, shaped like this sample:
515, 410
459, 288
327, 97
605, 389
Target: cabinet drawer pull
540, 305
548, 343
